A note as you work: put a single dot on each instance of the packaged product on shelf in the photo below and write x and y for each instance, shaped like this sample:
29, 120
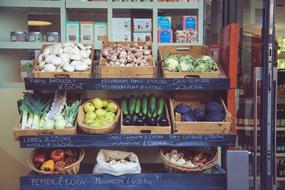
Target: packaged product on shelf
26, 68
17, 36
65, 60
142, 25
52, 36
100, 30
164, 23
35, 37
72, 31
141, 36
186, 36
165, 36
86, 32
190, 23
122, 29
116, 163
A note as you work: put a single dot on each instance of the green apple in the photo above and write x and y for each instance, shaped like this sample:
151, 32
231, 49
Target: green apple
110, 115
112, 107
100, 112
97, 102
90, 115
105, 103
88, 107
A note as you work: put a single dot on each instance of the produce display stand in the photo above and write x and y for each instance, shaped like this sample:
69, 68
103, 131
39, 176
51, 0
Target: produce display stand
215, 178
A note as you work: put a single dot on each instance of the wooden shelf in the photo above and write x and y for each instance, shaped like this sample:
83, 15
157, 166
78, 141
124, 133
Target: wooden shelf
31, 3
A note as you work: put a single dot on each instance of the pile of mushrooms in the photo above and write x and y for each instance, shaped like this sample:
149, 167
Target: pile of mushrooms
128, 55
65, 57
181, 158
113, 161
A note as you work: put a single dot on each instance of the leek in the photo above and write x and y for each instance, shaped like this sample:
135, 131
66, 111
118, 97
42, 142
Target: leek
30, 120
71, 112
25, 111
37, 105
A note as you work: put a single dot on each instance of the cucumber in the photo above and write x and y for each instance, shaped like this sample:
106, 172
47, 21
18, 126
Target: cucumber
124, 105
132, 104
138, 105
152, 104
144, 104
160, 106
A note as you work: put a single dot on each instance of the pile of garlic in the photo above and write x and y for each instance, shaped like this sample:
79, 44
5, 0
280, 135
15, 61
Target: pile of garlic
128, 55
179, 158
113, 161
68, 57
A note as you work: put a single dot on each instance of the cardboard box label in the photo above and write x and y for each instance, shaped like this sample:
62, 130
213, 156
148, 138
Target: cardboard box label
72, 31
142, 25
164, 22
86, 32
100, 30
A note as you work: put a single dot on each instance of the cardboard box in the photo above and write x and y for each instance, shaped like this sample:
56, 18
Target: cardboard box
142, 24
141, 37
165, 36
164, 23
100, 30
26, 68
72, 31
122, 29
87, 32
190, 23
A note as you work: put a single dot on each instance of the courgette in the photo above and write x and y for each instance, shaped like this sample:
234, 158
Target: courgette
138, 105
124, 105
152, 104
160, 106
132, 104
144, 105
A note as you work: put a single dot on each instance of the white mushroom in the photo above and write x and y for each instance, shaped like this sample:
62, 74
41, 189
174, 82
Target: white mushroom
65, 57
67, 44
47, 50
89, 47
87, 61
74, 63
49, 58
60, 51
55, 61
67, 49
80, 66
40, 60
81, 47
75, 57
49, 68
68, 68
84, 54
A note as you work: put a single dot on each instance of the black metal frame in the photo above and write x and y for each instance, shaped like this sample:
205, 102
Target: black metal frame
268, 98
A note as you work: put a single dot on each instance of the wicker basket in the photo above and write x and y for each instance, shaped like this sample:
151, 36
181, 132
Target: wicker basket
97, 130
69, 170
174, 168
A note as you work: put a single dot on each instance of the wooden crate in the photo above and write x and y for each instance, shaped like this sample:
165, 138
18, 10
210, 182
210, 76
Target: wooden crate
77, 74
146, 129
125, 71
18, 132
198, 127
194, 51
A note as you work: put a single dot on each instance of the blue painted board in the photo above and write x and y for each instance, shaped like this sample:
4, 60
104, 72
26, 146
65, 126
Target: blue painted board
161, 84
122, 140
145, 181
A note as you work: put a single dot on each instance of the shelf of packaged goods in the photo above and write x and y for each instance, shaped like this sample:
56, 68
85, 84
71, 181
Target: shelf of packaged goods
33, 45
87, 4
126, 140
212, 179
32, 3
251, 128
22, 45
133, 5
160, 84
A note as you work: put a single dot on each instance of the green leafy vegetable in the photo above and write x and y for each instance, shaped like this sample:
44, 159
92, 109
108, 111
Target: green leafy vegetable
71, 112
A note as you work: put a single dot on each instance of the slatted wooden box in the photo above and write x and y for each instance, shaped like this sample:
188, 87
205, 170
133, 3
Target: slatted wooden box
198, 127
194, 51
125, 71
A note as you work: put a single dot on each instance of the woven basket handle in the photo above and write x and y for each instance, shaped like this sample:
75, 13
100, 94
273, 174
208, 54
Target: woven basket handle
145, 131
191, 76
183, 49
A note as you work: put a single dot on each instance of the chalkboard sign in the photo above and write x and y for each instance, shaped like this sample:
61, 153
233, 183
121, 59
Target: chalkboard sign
156, 181
118, 140
160, 84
